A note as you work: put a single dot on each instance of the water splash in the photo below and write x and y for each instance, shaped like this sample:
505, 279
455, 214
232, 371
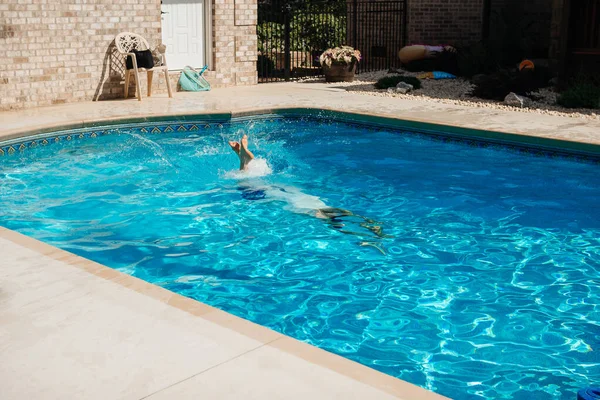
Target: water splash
256, 168
154, 147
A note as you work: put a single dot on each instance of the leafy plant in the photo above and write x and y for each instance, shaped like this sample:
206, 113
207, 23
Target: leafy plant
392, 81
291, 6
581, 94
320, 32
493, 86
497, 85
270, 37
344, 55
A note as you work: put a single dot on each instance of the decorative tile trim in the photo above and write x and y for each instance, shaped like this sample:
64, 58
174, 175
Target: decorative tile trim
22, 144
18, 146
448, 137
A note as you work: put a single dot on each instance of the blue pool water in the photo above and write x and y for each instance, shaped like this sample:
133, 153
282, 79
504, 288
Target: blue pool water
473, 272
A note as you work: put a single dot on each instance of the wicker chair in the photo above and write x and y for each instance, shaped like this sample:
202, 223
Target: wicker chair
128, 41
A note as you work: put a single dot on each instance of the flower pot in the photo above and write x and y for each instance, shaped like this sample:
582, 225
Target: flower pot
339, 72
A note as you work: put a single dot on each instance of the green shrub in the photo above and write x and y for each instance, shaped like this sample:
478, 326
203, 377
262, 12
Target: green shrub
320, 32
392, 81
270, 37
497, 85
580, 95
493, 86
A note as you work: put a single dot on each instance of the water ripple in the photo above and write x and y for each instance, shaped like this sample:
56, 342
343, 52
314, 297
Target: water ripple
469, 271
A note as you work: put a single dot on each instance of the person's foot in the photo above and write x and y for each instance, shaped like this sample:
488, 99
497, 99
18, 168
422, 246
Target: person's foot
235, 146
241, 149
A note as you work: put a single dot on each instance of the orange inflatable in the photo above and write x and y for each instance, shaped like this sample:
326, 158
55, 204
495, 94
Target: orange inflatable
526, 64
420, 51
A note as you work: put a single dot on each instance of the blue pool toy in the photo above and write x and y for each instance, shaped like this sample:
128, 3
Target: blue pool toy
591, 393
443, 75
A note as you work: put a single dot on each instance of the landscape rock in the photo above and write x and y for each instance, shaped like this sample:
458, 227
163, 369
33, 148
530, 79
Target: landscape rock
513, 99
398, 90
403, 87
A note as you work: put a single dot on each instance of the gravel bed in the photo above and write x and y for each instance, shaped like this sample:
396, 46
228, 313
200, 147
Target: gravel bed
456, 91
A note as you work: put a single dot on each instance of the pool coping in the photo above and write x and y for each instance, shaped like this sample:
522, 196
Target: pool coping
339, 364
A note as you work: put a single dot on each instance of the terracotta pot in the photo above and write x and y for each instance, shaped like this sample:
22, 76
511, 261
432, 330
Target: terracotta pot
339, 72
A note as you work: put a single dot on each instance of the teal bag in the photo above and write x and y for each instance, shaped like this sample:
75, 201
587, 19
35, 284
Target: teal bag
191, 80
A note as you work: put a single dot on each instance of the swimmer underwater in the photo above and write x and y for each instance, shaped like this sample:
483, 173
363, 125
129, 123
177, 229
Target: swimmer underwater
317, 207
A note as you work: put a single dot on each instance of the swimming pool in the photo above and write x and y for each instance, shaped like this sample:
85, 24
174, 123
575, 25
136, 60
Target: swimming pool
469, 270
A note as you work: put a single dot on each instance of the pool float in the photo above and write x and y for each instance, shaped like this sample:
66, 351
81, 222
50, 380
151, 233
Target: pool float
417, 52
436, 75
526, 64
590, 393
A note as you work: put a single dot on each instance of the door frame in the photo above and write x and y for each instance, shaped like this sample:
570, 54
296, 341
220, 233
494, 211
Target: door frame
208, 33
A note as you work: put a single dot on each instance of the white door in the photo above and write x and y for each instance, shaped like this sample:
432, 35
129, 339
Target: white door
183, 32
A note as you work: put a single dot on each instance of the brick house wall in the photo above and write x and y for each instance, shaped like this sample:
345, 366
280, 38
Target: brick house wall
456, 22
460, 22
234, 42
58, 51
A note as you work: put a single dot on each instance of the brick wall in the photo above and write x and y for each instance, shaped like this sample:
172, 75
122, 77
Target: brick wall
444, 21
235, 42
57, 51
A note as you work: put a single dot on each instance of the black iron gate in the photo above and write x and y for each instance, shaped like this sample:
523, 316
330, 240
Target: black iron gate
292, 34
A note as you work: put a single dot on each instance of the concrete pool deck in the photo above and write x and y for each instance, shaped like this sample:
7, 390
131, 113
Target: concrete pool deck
239, 100
71, 328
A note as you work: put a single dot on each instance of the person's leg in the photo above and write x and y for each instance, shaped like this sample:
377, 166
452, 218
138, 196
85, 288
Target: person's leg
245, 155
241, 149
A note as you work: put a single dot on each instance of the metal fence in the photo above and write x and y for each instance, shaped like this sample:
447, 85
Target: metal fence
292, 34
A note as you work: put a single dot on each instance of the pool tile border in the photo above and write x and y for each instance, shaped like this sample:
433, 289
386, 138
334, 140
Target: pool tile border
19, 142
19, 145
343, 366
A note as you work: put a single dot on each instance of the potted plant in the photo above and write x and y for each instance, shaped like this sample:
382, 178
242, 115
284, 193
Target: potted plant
339, 63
